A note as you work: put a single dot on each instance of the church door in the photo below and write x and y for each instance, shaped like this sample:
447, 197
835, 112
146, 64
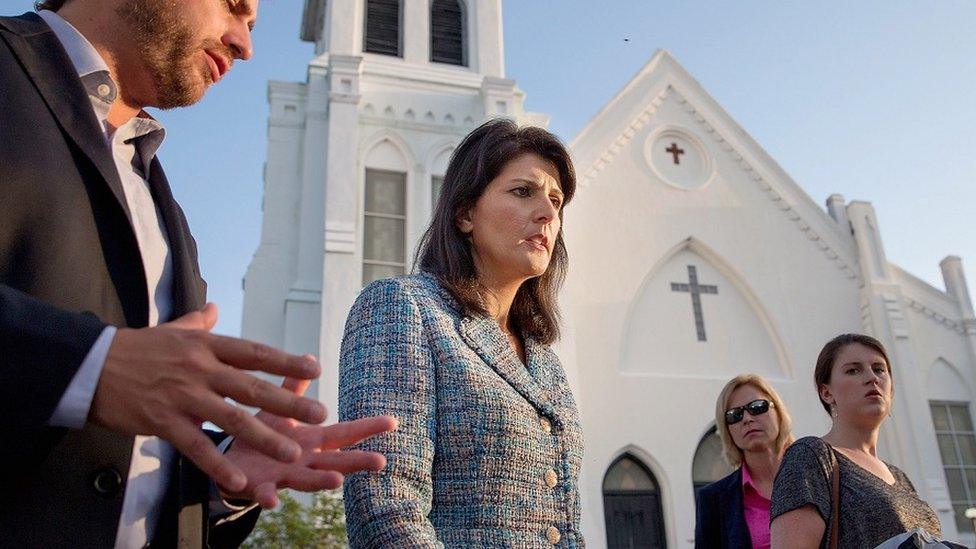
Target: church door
632, 506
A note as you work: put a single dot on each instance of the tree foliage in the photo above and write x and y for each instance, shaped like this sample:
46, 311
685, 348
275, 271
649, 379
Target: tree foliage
321, 525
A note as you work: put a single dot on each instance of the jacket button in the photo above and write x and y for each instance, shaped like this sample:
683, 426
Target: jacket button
552, 534
107, 481
545, 424
551, 478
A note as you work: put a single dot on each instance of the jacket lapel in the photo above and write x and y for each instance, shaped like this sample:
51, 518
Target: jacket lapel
188, 288
484, 336
44, 59
733, 512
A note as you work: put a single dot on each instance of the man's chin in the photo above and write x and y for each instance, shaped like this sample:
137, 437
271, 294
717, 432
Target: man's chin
182, 98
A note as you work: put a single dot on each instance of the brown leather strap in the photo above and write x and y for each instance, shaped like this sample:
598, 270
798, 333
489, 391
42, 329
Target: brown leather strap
834, 501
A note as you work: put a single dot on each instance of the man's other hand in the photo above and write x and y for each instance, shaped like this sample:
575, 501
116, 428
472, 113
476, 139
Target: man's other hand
323, 460
168, 380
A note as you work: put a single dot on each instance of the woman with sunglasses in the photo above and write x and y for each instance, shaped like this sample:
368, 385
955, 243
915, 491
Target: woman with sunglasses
876, 501
754, 426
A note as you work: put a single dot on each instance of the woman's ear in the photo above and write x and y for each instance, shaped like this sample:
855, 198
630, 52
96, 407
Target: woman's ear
464, 222
825, 394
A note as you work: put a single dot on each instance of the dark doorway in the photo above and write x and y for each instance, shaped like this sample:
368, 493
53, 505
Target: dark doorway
632, 506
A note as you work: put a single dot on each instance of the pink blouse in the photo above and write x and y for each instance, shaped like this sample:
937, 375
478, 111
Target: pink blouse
756, 509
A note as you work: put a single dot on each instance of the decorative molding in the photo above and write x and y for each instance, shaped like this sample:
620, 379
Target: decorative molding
340, 237
961, 328
641, 120
896, 315
300, 295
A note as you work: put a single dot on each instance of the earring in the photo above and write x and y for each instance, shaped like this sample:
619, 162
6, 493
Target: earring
833, 409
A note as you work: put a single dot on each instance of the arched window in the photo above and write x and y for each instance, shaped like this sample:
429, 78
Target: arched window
447, 36
632, 506
382, 27
709, 465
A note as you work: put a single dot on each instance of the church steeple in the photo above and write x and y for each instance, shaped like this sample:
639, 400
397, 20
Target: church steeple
452, 34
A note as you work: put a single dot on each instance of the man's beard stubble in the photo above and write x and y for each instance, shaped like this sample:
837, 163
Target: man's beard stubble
165, 46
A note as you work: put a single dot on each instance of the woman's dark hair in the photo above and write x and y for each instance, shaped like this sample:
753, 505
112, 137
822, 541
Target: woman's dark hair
52, 5
445, 251
825, 362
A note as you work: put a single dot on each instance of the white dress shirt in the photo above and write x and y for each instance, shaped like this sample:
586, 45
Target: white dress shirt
133, 146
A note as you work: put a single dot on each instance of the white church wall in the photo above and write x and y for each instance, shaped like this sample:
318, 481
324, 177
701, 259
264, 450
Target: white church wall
627, 217
787, 275
272, 269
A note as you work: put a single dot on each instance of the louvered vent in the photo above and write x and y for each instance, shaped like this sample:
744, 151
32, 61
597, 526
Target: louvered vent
383, 27
447, 32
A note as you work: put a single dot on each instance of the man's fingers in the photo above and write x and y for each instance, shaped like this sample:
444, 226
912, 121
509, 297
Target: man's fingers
253, 391
266, 495
347, 433
295, 385
192, 443
204, 319
347, 461
310, 480
247, 428
250, 355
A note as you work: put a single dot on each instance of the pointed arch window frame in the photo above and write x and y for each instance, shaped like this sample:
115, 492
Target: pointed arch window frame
378, 49
643, 468
696, 484
462, 61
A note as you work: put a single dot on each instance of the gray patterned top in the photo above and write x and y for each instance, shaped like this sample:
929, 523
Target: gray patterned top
489, 449
871, 510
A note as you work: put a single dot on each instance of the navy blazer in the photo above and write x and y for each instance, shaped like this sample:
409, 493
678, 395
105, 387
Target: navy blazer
721, 519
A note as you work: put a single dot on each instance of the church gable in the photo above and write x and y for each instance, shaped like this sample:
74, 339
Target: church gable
685, 140
694, 316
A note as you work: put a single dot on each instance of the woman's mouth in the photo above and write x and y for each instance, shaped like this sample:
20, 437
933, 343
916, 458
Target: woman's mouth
538, 241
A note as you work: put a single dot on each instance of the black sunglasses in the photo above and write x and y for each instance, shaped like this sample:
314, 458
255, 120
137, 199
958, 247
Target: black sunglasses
757, 407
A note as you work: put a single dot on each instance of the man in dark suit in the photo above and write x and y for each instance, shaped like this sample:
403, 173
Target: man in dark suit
107, 366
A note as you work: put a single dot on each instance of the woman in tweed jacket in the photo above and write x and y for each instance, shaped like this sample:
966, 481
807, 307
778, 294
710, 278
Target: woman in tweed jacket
489, 445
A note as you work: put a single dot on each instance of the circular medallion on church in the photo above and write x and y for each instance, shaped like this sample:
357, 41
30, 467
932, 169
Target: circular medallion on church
678, 158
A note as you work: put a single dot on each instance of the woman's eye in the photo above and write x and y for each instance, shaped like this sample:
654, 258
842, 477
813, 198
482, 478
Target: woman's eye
521, 191
852, 370
556, 202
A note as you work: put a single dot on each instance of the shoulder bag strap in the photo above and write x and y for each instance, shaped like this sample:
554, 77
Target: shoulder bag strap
834, 501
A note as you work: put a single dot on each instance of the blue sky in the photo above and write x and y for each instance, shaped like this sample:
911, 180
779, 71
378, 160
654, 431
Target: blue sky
870, 99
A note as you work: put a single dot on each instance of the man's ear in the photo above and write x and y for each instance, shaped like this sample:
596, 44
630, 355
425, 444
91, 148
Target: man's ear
463, 221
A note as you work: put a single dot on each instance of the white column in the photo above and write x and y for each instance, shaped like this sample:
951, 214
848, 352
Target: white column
956, 287
486, 42
838, 211
342, 207
344, 22
272, 269
415, 31
908, 433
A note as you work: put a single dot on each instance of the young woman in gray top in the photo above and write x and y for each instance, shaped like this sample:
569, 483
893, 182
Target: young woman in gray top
877, 501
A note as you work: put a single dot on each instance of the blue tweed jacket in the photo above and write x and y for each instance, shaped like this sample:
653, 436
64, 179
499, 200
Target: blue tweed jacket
488, 451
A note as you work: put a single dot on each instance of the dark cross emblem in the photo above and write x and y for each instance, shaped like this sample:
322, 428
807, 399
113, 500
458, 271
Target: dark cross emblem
675, 151
696, 290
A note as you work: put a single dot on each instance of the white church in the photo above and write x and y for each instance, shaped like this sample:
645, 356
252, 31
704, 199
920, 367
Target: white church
723, 265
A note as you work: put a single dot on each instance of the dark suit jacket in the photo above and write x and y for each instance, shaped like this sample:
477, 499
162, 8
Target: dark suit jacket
721, 519
69, 266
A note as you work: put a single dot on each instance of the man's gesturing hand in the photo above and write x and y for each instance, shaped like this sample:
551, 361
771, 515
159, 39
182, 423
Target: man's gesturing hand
323, 461
168, 380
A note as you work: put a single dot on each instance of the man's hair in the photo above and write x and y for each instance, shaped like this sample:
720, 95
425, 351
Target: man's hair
445, 251
733, 454
825, 362
51, 5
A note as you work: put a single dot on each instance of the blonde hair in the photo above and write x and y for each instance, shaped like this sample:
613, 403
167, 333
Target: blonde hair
732, 453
